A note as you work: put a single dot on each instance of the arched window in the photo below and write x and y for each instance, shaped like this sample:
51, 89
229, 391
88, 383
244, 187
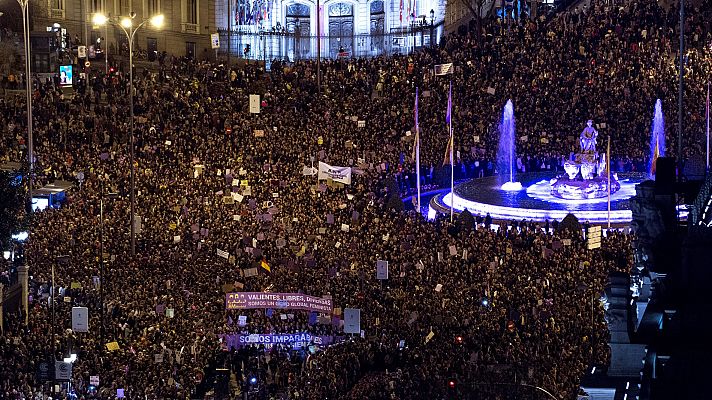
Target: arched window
378, 27
341, 28
298, 23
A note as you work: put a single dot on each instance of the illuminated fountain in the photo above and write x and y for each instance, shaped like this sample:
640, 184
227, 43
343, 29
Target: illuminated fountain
657, 137
586, 175
505, 155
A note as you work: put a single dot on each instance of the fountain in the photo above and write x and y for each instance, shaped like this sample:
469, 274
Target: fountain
657, 137
505, 155
586, 175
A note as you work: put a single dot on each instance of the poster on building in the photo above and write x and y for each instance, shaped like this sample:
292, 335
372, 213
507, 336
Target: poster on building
214, 40
254, 104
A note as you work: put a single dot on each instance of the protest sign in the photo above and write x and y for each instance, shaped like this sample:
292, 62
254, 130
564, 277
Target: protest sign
80, 319
254, 104
381, 269
352, 320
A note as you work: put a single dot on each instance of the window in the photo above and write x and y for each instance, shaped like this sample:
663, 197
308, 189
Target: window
58, 4
152, 48
191, 11
124, 7
96, 6
190, 49
153, 7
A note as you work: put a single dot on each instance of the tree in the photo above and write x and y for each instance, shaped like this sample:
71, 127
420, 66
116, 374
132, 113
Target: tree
570, 224
11, 202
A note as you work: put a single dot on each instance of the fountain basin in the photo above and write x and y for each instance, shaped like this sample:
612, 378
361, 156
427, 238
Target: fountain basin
573, 189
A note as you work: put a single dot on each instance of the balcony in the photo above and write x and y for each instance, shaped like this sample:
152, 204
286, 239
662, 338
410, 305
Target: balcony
190, 28
57, 14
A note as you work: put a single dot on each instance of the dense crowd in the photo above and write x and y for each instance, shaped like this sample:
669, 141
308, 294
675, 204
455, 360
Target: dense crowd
462, 303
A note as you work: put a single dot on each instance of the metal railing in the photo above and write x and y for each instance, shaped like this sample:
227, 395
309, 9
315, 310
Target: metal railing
699, 213
289, 46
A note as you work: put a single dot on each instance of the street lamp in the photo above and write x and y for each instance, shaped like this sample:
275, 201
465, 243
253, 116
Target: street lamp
127, 25
432, 26
28, 92
101, 257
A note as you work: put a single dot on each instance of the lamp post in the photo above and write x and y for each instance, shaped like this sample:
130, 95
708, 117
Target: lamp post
28, 92
101, 258
432, 27
126, 24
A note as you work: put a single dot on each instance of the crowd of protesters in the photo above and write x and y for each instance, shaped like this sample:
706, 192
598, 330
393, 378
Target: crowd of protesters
464, 304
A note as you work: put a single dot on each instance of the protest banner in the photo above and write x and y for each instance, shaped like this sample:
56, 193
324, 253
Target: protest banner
296, 340
289, 301
337, 174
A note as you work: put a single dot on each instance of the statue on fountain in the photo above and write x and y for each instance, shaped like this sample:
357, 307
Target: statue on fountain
585, 176
588, 138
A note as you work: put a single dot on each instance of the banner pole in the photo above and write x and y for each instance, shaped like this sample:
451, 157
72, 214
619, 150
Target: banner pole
608, 167
417, 149
452, 168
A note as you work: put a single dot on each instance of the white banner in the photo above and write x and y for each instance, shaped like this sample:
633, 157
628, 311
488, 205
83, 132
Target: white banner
223, 254
337, 174
94, 380
444, 69
80, 319
254, 104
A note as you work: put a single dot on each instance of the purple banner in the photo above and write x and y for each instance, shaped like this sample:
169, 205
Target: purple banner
289, 301
296, 340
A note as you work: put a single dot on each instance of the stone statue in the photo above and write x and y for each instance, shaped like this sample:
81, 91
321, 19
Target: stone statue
588, 138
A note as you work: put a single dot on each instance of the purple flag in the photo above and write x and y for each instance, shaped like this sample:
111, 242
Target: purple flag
449, 105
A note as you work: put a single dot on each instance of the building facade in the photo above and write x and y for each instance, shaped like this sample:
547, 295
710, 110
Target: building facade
256, 29
294, 29
185, 31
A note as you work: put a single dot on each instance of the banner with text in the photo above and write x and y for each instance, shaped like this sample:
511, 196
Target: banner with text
296, 340
289, 301
337, 174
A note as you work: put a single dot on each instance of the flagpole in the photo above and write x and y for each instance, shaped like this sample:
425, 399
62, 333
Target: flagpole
708, 126
452, 164
417, 149
608, 167
54, 294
